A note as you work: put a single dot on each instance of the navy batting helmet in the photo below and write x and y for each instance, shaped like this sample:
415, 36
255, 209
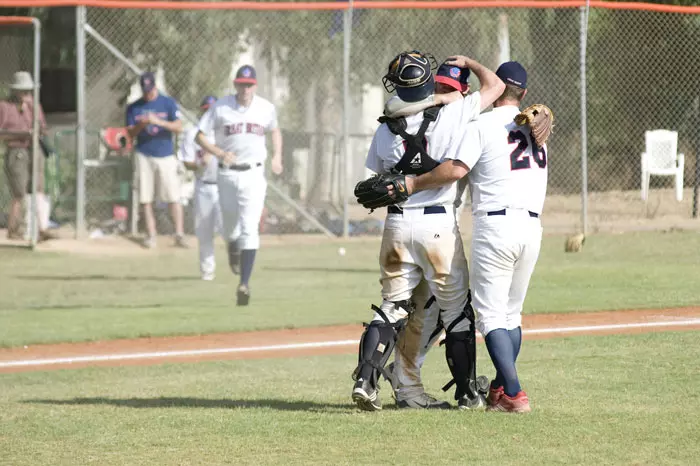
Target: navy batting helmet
411, 75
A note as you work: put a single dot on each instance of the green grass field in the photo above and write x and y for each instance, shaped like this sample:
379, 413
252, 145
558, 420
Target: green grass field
597, 400
52, 297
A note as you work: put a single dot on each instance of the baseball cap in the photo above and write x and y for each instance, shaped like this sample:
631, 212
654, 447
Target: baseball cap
246, 75
207, 101
453, 76
512, 72
148, 81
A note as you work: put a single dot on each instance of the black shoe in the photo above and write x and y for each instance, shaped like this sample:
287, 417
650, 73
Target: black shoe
366, 397
423, 401
466, 403
483, 385
242, 295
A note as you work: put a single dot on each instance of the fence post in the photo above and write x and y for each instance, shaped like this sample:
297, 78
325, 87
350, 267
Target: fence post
584, 135
34, 223
80, 147
347, 149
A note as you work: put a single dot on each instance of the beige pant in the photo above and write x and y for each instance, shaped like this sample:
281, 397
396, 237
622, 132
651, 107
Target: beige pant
160, 173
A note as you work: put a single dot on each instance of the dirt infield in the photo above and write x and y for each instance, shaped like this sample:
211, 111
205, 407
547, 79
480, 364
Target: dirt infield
312, 341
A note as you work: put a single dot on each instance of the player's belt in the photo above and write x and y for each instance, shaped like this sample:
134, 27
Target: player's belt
503, 212
240, 167
433, 209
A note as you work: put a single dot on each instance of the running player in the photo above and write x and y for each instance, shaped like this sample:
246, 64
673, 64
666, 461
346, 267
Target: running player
207, 216
239, 123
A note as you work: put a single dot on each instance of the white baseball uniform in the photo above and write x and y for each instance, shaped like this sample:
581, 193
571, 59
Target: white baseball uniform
422, 238
241, 130
508, 184
207, 217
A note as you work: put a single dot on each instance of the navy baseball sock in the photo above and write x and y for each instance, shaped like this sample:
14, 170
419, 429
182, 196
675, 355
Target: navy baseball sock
247, 261
500, 348
516, 337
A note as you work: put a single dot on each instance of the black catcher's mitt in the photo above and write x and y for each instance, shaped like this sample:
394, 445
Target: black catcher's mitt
373, 192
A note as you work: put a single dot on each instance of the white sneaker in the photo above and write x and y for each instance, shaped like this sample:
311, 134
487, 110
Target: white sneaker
149, 242
207, 277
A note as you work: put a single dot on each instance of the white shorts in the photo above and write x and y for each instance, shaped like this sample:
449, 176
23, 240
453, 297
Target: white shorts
503, 256
160, 172
417, 244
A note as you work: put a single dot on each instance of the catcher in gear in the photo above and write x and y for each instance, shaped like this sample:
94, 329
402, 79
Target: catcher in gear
421, 239
507, 168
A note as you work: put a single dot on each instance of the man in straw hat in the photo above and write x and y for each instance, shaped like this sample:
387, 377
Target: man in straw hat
16, 121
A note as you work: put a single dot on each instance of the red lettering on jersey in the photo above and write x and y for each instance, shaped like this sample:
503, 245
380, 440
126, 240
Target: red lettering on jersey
254, 128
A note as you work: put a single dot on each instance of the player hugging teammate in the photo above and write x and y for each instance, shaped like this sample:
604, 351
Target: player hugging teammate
421, 149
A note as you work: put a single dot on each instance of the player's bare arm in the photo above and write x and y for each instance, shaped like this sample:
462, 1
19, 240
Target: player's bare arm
226, 158
276, 162
491, 85
395, 107
172, 126
137, 128
444, 174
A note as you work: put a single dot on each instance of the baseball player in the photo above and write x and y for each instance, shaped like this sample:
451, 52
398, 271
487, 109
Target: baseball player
421, 238
422, 329
207, 217
507, 164
238, 124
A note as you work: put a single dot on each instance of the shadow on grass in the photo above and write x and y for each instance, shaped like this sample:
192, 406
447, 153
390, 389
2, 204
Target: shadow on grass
126, 278
321, 269
178, 402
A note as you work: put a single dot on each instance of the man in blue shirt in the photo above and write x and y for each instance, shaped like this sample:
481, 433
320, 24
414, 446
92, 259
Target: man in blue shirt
151, 122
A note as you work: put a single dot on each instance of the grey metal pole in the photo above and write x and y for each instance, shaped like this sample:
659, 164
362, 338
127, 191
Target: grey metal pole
33, 214
347, 152
80, 145
584, 134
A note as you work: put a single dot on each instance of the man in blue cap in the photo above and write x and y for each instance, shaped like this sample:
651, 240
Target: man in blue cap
207, 213
508, 178
152, 120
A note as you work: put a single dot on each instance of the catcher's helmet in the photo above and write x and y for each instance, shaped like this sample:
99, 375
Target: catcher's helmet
411, 75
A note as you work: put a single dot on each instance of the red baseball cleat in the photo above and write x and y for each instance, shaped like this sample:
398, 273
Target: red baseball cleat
494, 395
516, 404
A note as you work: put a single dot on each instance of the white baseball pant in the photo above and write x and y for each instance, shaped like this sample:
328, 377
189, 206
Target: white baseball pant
418, 244
242, 199
207, 223
414, 342
504, 252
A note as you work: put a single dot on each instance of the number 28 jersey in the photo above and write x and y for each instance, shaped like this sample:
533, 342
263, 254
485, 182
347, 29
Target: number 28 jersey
506, 168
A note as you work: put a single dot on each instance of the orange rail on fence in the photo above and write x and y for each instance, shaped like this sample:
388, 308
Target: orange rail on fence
359, 5
16, 20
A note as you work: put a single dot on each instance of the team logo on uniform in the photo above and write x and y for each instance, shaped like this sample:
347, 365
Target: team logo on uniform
246, 72
417, 161
455, 72
146, 82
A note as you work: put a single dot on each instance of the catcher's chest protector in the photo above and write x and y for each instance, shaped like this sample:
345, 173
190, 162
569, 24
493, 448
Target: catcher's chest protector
415, 160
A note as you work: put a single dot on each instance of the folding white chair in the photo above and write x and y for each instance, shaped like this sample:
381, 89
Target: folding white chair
661, 158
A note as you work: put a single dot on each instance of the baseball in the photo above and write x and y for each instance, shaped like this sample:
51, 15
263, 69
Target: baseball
341, 251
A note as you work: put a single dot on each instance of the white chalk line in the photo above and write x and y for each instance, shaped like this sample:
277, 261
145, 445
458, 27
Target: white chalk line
319, 344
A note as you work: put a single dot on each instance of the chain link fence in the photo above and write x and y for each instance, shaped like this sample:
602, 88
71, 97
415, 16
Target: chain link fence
18, 53
640, 70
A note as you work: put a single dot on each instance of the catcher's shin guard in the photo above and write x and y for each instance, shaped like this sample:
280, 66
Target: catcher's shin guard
376, 345
460, 352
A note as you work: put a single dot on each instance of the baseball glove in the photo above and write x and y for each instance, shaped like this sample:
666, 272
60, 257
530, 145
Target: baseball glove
373, 192
540, 119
